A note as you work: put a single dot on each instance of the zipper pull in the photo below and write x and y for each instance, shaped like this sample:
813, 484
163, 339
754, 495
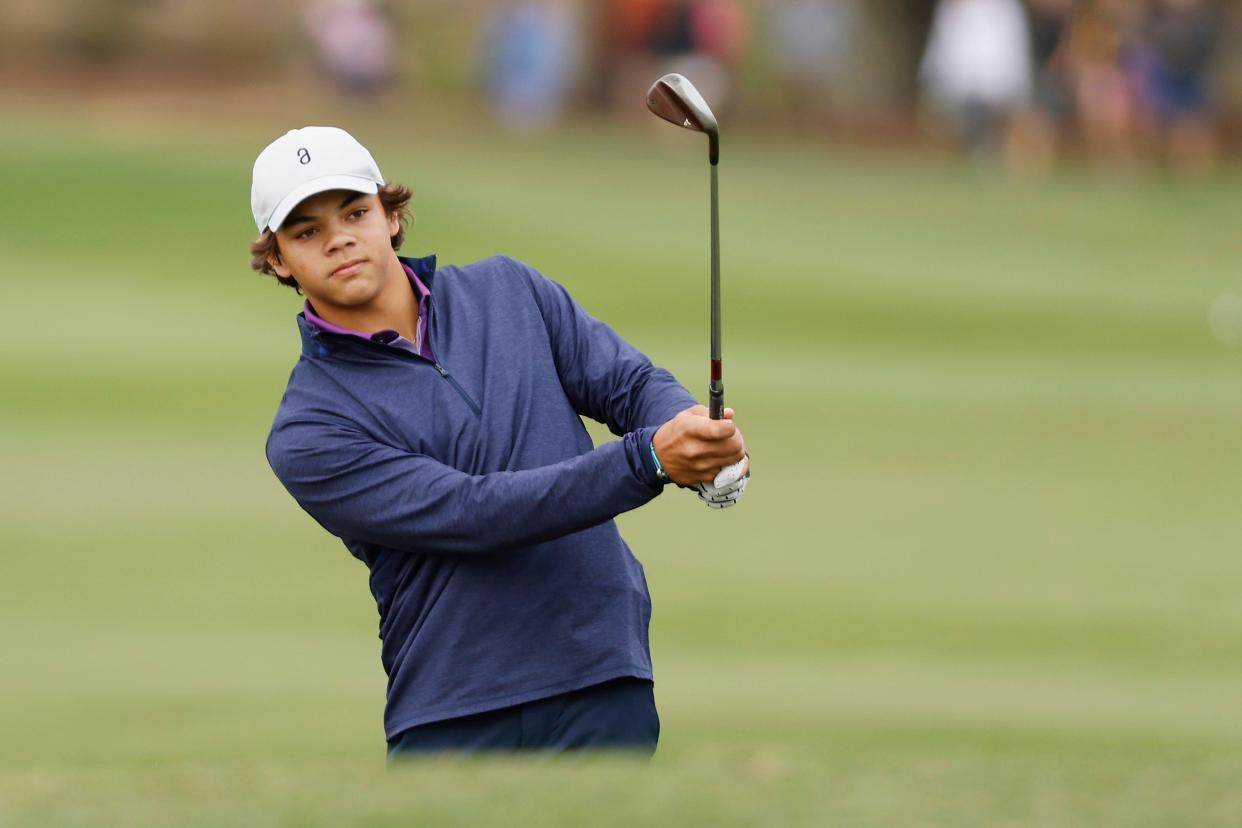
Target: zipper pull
443, 371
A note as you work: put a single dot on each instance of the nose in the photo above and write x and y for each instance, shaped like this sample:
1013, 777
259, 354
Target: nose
338, 237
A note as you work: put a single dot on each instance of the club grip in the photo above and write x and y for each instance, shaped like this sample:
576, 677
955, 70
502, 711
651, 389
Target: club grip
715, 390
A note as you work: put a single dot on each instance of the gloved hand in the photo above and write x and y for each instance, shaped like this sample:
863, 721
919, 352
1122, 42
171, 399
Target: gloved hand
728, 486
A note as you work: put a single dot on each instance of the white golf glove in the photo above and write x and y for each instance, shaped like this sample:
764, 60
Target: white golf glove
726, 489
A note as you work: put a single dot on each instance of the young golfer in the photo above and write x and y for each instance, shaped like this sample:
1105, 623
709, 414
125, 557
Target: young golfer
432, 424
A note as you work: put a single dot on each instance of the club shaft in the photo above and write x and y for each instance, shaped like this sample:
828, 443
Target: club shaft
716, 386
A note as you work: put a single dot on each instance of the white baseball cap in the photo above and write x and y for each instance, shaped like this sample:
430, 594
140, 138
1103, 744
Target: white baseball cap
304, 162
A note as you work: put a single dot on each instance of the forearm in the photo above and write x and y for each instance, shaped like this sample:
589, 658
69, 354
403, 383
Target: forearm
368, 492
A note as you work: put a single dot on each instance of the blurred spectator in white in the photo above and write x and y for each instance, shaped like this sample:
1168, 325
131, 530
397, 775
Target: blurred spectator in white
532, 52
1103, 51
977, 68
353, 42
1182, 38
812, 48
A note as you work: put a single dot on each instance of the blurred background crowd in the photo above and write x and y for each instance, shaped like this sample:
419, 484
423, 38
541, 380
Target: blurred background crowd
1033, 82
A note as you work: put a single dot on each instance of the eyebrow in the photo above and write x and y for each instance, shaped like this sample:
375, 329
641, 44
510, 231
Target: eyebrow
292, 220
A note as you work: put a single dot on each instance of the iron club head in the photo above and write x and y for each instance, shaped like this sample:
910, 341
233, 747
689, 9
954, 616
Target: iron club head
675, 99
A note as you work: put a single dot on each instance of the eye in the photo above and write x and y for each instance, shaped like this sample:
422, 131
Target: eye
305, 234
359, 213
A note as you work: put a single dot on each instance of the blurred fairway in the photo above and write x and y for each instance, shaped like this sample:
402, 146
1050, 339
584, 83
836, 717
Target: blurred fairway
987, 573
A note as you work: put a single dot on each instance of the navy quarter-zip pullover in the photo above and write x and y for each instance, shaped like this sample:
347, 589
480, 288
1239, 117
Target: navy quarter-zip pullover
471, 490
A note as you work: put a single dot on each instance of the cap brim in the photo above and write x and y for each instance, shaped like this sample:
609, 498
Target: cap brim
355, 183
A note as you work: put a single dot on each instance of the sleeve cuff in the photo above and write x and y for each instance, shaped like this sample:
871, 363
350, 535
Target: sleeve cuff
642, 464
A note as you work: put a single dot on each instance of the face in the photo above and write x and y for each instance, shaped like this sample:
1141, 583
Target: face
338, 246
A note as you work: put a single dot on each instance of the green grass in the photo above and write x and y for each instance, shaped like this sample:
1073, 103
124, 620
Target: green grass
987, 572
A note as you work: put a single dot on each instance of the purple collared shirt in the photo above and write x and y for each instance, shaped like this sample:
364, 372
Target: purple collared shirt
419, 346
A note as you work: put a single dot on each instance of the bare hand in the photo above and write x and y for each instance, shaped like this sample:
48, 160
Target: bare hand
694, 448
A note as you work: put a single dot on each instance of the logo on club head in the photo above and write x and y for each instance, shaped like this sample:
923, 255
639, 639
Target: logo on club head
687, 123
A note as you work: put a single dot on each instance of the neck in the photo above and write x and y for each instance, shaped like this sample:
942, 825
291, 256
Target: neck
393, 308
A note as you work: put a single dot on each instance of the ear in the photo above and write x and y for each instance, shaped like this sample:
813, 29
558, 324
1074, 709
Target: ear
394, 224
278, 265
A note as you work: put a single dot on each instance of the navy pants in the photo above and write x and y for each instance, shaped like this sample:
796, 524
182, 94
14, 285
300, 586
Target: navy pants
615, 715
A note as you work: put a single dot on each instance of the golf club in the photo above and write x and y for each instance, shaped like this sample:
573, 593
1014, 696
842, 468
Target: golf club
676, 100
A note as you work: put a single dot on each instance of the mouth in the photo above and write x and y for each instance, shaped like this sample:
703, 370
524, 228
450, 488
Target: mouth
349, 268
